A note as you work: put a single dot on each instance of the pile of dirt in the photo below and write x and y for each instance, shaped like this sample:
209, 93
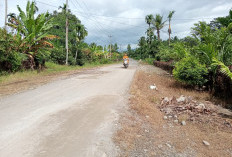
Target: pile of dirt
194, 110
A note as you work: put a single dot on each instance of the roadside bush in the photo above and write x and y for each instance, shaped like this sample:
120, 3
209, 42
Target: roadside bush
190, 71
105, 61
11, 62
71, 60
58, 55
176, 52
149, 60
80, 62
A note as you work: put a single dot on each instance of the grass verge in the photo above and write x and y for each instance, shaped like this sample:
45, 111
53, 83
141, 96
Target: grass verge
51, 68
23, 80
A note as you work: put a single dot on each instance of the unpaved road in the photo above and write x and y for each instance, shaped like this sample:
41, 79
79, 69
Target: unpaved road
70, 117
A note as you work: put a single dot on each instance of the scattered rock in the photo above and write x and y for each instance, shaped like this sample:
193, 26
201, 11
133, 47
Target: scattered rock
153, 87
168, 145
160, 146
169, 117
200, 106
165, 101
147, 131
176, 121
183, 123
181, 99
145, 150
206, 143
175, 116
147, 116
165, 117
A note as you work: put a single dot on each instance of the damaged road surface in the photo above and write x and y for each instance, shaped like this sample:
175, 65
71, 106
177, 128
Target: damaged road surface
70, 117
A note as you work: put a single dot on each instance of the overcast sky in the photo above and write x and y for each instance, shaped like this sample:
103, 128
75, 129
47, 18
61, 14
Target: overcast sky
124, 20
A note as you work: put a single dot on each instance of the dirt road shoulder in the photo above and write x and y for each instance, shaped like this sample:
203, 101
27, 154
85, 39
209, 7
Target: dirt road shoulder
146, 131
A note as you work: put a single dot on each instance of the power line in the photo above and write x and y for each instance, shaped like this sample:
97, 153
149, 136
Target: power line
142, 18
96, 26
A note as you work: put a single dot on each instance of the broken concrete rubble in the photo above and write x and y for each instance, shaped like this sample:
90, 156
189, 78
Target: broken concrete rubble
194, 110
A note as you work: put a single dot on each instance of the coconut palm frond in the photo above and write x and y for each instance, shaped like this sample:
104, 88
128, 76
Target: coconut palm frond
223, 68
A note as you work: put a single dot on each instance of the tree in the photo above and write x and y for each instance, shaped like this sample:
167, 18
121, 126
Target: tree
169, 20
76, 34
129, 49
225, 21
142, 47
158, 24
115, 47
81, 34
149, 19
32, 32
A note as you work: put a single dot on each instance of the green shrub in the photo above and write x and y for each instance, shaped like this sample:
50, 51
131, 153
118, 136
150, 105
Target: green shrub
149, 60
58, 55
71, 60
105, 61
190, 71
11, 62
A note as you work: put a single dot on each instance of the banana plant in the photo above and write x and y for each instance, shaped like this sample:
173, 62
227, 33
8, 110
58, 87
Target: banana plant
31, 31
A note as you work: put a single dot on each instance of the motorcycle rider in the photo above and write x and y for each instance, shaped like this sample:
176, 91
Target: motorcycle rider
126, 57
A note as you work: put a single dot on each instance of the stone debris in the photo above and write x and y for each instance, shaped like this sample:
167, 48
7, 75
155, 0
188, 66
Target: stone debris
183, 123
206, 143
193, 111
168, 145
176, 121
184, 104
181, 99
153, 87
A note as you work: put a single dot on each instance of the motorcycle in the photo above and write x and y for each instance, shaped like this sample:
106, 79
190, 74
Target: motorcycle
125, 63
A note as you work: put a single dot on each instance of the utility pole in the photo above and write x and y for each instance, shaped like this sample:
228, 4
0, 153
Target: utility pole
110, 46
66, 42
6, 7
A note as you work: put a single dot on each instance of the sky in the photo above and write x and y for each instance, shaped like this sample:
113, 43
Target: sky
124, 20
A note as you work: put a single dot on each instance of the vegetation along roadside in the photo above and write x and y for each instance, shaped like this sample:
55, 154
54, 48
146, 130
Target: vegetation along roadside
202, 61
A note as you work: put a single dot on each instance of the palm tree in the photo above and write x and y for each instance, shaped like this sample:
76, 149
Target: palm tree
149, 19
158, 24
81, 34
169, 20
81, 31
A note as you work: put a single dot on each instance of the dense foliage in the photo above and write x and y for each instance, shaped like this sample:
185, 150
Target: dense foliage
32, 39
188, 70
198, 59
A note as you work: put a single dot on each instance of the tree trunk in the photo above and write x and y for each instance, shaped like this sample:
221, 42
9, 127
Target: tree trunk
150, 38
158, 33
76, 56
169, 33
